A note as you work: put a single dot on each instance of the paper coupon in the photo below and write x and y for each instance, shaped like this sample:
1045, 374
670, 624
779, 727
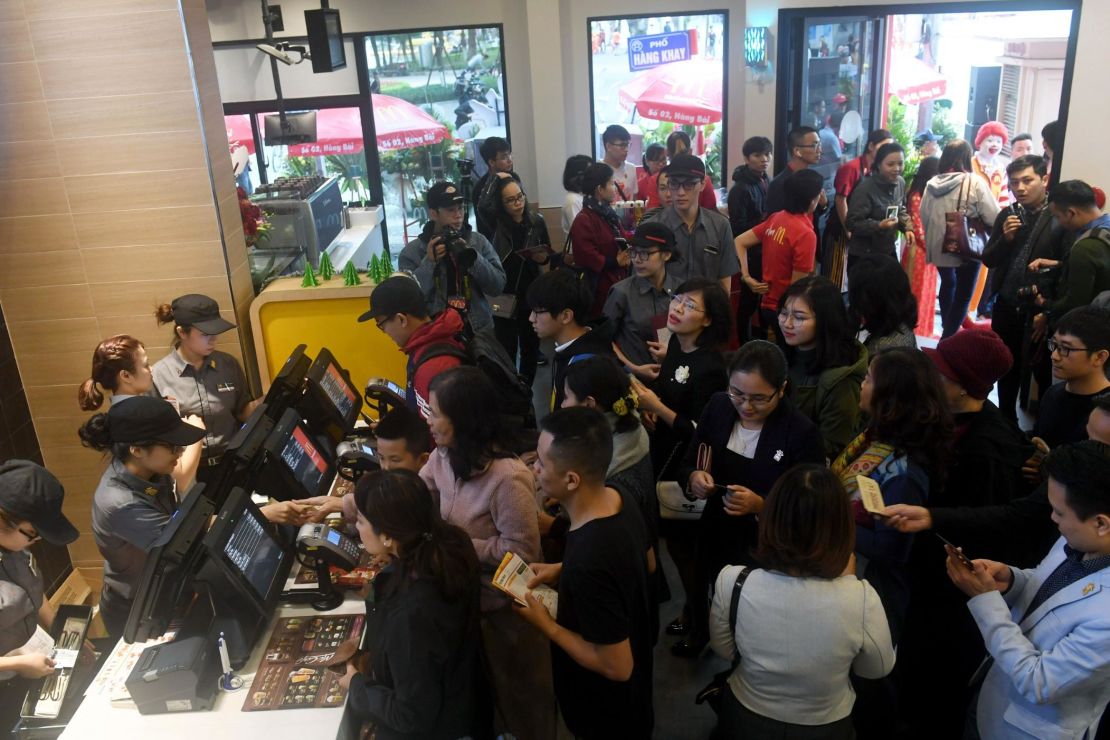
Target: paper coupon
870, 494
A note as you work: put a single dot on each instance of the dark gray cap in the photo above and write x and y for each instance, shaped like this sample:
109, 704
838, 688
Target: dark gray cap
31, 493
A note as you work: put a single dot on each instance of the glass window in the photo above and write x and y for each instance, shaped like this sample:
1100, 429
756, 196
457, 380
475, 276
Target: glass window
836, 79
437, 95
657, 74
337, 150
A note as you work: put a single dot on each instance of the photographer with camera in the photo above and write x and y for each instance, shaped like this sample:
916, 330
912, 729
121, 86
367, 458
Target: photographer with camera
1024, 231
454, 265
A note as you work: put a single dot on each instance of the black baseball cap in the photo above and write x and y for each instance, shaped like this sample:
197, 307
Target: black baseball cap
687, 166
31, 493
394, 295
653, 235
443, 194
201, 312
149, 419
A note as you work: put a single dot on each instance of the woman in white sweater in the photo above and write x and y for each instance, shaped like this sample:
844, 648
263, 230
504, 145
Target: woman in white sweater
804, 621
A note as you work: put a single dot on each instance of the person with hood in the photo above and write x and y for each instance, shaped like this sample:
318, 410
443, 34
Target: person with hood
560, 306
464, 272
871, 224
30, 510
942, 646
826, 363
398, 309
955, 188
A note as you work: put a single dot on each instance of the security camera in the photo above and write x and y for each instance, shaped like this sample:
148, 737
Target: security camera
276, 53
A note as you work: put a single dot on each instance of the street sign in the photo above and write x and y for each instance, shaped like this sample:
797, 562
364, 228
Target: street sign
645, 52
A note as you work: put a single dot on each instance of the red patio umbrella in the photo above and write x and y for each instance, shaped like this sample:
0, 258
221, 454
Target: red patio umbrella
399, 124
914, 81
687, 93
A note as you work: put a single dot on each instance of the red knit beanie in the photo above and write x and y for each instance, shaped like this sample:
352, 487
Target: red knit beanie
973, 358
992, 128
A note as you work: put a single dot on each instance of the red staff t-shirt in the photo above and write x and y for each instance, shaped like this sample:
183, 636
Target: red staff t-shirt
789, 246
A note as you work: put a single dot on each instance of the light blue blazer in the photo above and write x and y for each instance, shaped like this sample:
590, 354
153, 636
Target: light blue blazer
1051, 674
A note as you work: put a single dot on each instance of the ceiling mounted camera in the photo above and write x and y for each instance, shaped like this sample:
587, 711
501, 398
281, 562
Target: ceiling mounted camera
280, 51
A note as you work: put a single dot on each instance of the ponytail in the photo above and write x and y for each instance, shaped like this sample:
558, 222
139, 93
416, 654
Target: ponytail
89, 396
111, 357
163, 313
94, 433
397, 504
605, 381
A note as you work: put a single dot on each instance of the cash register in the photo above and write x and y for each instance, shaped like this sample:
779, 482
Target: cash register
226, 578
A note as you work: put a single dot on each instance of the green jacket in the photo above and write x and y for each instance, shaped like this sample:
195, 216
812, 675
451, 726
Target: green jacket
831, 401
1085, 274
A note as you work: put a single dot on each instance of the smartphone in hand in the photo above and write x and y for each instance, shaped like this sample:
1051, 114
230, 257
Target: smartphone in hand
964, 559
892, 212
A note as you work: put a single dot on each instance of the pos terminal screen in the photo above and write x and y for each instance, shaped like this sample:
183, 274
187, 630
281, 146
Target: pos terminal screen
255, 553
304, 460
340, 394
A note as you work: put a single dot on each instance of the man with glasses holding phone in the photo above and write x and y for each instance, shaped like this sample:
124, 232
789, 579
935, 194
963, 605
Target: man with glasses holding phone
703, 237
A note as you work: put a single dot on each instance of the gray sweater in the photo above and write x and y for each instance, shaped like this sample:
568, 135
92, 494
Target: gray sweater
798, 640
942, 194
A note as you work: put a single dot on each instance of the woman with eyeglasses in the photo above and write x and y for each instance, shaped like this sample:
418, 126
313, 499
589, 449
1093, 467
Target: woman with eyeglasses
153, 463
522, 243
755, 435
637, 306
699, 319
597, 238
826, 363
30, 510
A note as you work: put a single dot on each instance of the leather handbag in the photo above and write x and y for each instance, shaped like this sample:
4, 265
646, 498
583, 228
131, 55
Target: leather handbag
674, 502
964, 236
714, 693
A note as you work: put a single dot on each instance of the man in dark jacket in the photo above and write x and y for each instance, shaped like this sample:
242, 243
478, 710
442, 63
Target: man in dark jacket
560, 304
1023, 232
746, 211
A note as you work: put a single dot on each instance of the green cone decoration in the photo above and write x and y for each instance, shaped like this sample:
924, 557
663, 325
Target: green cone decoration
310, 280
327, 271
387, 267
350, 275
374, 269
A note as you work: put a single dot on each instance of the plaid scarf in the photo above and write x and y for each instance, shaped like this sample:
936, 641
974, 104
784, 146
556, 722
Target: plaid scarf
877, 460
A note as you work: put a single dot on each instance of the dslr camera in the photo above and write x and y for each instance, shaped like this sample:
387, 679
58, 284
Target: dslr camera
455, 247
1043, 283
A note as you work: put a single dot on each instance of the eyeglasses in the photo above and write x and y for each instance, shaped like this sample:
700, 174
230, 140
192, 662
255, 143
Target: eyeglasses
675, 185
755, 399
795, 317
175, 449
618, 144
32, 537
1054, 346
686, 303
383, 321
641, 255
513, 200
539, 311
814, 145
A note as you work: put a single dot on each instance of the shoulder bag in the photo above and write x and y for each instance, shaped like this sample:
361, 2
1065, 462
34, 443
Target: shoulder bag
714, 693
674, 502
964, 236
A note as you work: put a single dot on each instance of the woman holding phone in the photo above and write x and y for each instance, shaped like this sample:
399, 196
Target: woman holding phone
876, 208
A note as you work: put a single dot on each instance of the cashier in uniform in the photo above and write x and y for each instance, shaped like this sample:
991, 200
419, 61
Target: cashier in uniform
203, 380
154, 456
138, 492
30, 510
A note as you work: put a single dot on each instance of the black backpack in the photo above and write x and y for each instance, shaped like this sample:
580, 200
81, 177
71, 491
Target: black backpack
482, 350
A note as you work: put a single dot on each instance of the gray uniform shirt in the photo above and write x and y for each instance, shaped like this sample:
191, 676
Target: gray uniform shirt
20, 599
487, 278
217, 393
706, 251
128, 515
632, 306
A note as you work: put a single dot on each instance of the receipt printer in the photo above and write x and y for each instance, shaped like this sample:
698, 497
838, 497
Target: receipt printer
176, 676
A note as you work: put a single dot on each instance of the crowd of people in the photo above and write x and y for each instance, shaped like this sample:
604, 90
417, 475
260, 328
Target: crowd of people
792, 451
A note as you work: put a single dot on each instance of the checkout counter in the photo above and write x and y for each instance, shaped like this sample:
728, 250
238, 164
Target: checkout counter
219, 580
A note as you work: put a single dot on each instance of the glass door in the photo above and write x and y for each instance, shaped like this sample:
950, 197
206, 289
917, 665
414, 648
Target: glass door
833, 72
